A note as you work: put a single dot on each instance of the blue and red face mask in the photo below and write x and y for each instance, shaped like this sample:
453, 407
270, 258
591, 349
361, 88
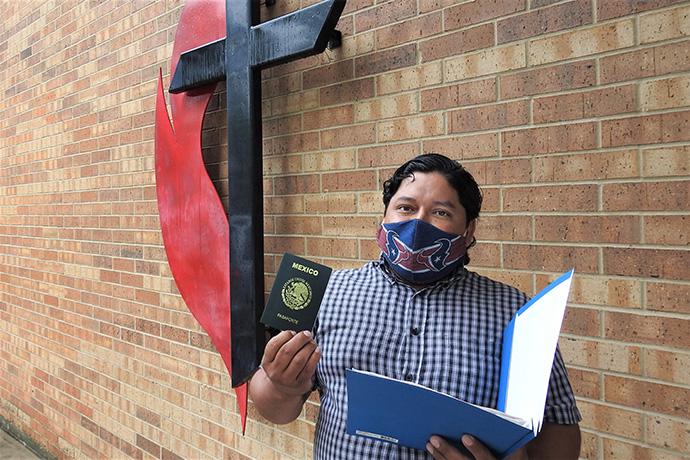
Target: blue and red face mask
420, 253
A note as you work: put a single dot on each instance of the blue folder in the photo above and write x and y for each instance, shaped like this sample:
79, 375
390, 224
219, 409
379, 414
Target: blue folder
408, 414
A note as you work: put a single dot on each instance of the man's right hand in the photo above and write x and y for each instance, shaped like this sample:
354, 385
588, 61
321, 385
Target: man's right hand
289, 362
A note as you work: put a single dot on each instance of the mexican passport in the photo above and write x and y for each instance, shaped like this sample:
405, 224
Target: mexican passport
296, 294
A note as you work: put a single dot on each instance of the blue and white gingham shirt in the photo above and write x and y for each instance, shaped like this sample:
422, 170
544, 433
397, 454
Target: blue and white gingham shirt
447, 337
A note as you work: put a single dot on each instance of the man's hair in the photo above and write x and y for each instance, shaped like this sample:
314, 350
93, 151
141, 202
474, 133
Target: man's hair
458, 177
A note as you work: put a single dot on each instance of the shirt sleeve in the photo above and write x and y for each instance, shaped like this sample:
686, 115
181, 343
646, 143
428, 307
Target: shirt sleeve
560, 400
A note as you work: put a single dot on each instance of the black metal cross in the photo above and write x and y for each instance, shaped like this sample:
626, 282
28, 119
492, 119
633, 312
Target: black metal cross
238, 59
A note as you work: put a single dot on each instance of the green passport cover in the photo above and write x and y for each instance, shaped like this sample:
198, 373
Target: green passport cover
296, 294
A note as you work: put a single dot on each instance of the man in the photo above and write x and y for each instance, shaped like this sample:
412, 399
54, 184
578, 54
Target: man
416, 314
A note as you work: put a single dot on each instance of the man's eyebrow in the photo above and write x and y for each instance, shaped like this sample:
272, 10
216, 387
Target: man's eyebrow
448, 204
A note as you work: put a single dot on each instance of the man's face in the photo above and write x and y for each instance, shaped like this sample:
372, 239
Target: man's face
429, 197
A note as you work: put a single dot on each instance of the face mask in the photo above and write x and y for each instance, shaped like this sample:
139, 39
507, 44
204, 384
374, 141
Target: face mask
420, 253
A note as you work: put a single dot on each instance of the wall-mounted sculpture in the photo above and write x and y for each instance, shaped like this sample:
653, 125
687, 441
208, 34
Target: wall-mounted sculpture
207, 254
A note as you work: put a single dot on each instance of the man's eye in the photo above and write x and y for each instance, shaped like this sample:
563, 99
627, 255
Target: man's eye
442, 213
404, 208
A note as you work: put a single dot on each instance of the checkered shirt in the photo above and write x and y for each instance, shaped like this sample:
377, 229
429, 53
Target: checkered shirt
447, 337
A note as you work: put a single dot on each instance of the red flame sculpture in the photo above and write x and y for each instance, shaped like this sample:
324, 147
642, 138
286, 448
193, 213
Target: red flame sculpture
193, 221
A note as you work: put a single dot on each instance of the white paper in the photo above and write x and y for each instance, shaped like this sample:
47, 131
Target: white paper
535, 336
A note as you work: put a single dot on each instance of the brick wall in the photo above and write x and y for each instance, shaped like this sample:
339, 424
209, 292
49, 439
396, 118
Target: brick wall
573, 115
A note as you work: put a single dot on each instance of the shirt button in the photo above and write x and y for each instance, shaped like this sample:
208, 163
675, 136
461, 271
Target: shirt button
408, 377
414, 331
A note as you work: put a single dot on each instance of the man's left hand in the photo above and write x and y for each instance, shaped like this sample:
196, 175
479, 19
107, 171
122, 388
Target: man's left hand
442, 450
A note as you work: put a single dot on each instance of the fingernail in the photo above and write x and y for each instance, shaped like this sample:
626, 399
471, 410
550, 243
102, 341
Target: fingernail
307, 333
435, 443
467, 440
429, 449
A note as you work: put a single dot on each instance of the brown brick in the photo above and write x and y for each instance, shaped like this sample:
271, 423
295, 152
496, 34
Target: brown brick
464, 147
646, 196
148, 446
653, 263
587, 166
291, 185
614, 292
410, 128
387, 13
579, 74
282, 205
668, 161
590, 446
349, 91
409, 30
351, 226
331, 203
281, 85
475, 92
148, 416
485, 255
332, 247
386, 107
582, 42
462, 41
328, 161
384, 61
294, 143
351, 135
326, 118
588, 228
174, 333
585, 384
598, 103
487, 62
628, 66
669, 434
615, 449
497, 172
608, 356
282, 244
408, 79
667, 230
329, 74
354, 180
490, 116
650, 129
666, 399
504, 228
148, 327
551, 139
550, 258
646, 329
387, 154
582, 322
611, 420
298, 225
668, 297
545, 20
665, 94
550, 198
618, 8
479, 11
670, 366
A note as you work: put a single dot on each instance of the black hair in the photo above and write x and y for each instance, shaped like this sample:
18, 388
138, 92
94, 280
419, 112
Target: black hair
457, 176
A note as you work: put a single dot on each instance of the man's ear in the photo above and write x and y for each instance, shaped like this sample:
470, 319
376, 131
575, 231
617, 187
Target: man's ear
469, 233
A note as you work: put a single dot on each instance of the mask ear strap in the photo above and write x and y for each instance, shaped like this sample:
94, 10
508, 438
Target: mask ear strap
474, 241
